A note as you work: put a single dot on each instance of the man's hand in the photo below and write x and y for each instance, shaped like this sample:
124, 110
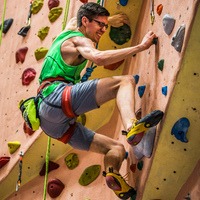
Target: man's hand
118, 20
147, 41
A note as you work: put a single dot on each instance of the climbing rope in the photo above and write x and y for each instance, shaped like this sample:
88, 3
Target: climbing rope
47, 167
66, 14
3, 16
49, 138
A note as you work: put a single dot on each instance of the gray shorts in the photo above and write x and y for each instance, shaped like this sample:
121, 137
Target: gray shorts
55, 123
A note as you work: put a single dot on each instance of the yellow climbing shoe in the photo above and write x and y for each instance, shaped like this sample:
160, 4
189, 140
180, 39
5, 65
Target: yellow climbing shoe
140, 127
117, 183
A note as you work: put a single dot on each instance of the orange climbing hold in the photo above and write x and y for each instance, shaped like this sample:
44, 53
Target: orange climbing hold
159, 9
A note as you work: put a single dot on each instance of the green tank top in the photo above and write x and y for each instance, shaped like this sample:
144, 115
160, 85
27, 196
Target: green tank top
54, 65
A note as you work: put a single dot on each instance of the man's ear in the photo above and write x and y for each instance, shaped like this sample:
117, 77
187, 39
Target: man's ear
84, 20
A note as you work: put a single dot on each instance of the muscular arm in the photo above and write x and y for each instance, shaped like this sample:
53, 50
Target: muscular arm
86, 48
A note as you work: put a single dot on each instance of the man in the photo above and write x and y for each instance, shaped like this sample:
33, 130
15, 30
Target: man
65, 97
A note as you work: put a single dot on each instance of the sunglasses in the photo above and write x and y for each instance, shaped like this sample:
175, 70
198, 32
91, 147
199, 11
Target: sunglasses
101, 24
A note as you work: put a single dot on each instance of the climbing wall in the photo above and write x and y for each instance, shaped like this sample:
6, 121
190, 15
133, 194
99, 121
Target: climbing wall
167, 79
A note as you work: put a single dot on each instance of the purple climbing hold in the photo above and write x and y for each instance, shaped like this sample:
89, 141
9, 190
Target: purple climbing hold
180, 128
55, 187
123, 2
164, 90
141, 90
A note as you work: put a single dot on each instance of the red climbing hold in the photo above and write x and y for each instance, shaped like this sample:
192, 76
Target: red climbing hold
3, 161
114, 65
27, 130
20, 54
53, 3
52, 166
84, 1
28, 76
55, 187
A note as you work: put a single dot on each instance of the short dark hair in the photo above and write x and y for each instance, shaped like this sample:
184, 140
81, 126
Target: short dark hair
91, 10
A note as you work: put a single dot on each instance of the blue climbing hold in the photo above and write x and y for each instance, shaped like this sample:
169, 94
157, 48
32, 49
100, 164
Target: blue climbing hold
123, 2
136, 77
141, 90
164, 90
180, 129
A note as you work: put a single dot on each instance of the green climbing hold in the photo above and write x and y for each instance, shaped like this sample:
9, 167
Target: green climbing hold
120, 35
43, 32
54, 13
13, 146
40, 53
161, 64
89, 175
72, 160
36, 6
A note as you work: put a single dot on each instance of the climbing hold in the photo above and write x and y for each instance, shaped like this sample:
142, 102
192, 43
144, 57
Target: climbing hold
114, 66
136, 77
28, 76
141, 90
21, 54
155, 41
13, 146
52, 166
54, 13
24, 30
36, 6
177, 40
81, 119
71, 160
27, 129
168, 23
161, 64
53, 3
133, 167
145, 147
40, 53
120, 35
43, 32
140, 165
55, 187
4, 161
180, 129
159, 9
164, 90
6, 25
83, 1
89, 175
123, 2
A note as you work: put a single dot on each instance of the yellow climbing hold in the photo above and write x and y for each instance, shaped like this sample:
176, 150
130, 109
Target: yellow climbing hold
13, 146
43, 32
36, 6
40, 53
54, 13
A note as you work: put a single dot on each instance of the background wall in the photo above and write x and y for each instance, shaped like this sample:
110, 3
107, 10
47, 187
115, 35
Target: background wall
172, 170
